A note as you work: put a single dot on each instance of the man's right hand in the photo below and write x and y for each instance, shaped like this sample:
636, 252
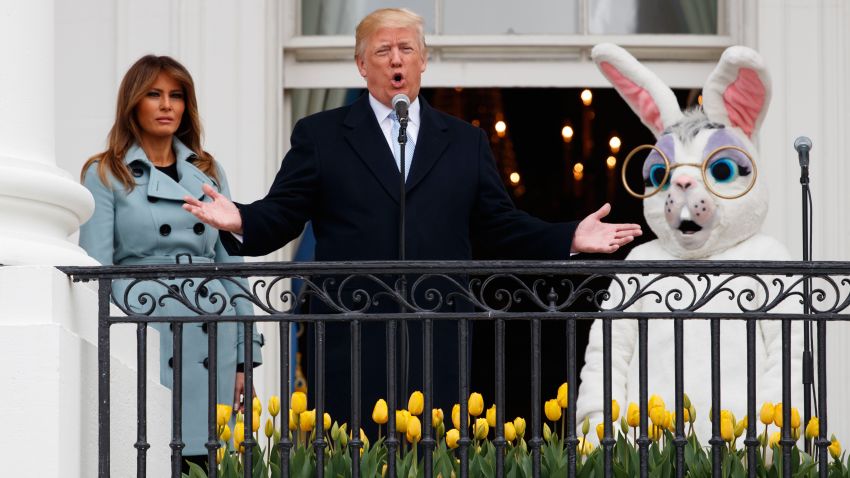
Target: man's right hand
221, 213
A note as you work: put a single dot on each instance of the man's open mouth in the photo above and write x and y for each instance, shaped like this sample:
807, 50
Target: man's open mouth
397, 80
689, 227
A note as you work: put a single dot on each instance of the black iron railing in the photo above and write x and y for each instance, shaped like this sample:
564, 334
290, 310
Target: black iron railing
351, 292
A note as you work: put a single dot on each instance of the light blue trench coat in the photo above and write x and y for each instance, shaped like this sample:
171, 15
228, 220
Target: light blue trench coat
149, 226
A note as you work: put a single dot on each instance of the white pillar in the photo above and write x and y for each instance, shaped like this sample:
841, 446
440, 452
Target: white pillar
40, 204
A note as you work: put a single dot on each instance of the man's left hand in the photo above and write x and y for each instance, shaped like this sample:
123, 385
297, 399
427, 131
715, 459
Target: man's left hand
593, 235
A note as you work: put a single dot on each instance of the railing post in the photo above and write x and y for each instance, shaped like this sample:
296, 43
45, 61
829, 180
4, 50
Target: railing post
499, 441
177, 401
572, 441
751, 442
643, 439
716, 440
248, 343
679, 400
428, 442
355, 444
319, 425
285, 443
142, 444
822, 442
463, 363
536, 440
392, 439
212, 396
786, 441
103, 293
607, 438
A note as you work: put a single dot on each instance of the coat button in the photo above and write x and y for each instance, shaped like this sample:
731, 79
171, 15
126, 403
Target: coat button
199, 228
164, 230
207, 363
152, 199
171, 362
203, 291
137, 172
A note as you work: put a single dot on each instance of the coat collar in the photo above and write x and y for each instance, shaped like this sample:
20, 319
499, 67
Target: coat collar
366, 138
160, 185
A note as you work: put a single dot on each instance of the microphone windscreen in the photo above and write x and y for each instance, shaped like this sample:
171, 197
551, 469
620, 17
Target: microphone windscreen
803, 142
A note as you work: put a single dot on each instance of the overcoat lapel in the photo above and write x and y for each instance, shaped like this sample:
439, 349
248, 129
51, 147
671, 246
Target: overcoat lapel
365, 136
431, 142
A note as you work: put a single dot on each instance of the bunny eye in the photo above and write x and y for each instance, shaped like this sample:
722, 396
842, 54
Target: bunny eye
656, 176
724, 170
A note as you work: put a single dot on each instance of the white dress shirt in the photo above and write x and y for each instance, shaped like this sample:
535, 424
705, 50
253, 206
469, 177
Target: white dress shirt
382, 114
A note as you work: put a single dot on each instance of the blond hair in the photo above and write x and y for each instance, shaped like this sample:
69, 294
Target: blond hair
126, 130
387, 18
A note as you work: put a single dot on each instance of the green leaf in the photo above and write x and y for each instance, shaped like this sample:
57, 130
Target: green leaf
195, 471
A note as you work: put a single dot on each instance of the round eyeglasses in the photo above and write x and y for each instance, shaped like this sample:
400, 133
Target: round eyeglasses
721, 170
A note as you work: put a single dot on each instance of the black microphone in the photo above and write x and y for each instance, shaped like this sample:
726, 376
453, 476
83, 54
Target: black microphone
400, 104
803, 145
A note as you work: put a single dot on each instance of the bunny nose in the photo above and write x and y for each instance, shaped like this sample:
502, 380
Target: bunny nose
684, 182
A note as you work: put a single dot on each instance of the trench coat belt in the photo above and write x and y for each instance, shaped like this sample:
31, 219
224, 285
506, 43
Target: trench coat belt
176, 259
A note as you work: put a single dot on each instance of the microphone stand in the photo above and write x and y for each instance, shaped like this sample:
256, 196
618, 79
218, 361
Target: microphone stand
403, 342
808, 362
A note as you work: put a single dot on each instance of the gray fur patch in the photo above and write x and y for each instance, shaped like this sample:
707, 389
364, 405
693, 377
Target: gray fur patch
693, 121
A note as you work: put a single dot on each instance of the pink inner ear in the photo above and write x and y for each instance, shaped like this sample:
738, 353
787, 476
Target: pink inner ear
637, 97
744, 100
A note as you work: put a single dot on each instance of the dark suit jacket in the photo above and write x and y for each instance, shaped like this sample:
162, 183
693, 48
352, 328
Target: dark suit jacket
340, 174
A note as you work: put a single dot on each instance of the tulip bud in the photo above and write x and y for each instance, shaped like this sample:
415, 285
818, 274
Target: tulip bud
384, 471
437, 417
335, 432
269, 428
292, 420
615, 410
276, 436
777, 415
835, 448
633, 415
739, 428
657, 415
219, 455
225, 433
299, 402
655, 401
563, 395
686, 400
692, 412
238, 435
481, 429
727, 431
795, 433
774, 439
343, 436
223, 413
584, 447
766, 414
456, 416
364, 439
306, 420
686, 415
327, 421
654, 433
414, 430
813, 428
452, 436
401, 417
379, 413
255, 422
624, 425
510, 432
416, 403
519, 425
553, 410
547, 433
491, 416
441, 430
600, 431
585, 426
476, 404
795, 417
274, 405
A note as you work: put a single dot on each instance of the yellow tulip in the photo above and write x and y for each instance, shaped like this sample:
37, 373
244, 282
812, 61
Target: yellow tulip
777, 414
795, 433
456, 416
553, 410
624, 425
746, 421
306, 420
510, 432
519, 426
437, 417
481, 429
692, 414
379, 413
774, 439
658, 415
414, 430
585, 426
401, 417
835, 448
655, 401
615, 410
274, 405
225, 433
257, 406
476, 404
292, 416
633, 415
727, 430
364, 439
654, 433
686, 400
491, 416
343, 436
223, 413
766, 414
452, 436
584, 447
269, 428
813, 428
547, 432
327, 421
238, 435
686, 415
219, 455
255, 422
416, 403
600, 431
299, 402
563, 395
739, 428
795, 417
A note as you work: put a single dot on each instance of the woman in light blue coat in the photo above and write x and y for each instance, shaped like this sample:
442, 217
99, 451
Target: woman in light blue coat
153, 160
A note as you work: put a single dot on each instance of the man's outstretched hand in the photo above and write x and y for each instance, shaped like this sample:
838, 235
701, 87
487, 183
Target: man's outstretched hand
221, 213
593, 235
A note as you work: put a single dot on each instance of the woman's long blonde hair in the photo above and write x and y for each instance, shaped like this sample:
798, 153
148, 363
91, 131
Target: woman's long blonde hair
126, 130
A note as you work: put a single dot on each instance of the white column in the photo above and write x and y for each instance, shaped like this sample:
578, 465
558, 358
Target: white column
40, 204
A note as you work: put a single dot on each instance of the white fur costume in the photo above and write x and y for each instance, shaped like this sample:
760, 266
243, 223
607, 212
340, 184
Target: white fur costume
692, 223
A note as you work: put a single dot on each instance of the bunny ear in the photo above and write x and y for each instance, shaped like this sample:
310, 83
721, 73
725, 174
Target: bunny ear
738, 91
653, 102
